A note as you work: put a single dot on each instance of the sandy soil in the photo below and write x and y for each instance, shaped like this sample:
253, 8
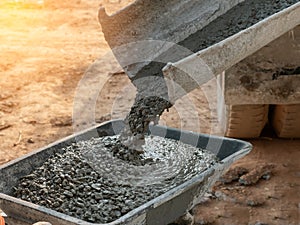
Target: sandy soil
55, 62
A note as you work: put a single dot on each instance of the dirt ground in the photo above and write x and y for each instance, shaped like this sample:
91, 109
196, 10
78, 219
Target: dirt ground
54, 58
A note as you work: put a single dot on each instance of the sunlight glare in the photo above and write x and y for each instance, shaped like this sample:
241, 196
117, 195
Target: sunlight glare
21, 3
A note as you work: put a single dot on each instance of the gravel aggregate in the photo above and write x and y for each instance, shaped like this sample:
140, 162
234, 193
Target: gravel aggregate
90, 182
146, 109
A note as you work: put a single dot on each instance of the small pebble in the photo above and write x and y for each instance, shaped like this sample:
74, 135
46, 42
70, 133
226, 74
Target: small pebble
98, 196
68, 193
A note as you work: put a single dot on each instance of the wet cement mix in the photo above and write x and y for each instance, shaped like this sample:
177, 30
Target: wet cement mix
68, 182
239, 18
152, 97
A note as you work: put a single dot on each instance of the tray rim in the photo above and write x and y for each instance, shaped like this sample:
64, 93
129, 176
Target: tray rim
141, 210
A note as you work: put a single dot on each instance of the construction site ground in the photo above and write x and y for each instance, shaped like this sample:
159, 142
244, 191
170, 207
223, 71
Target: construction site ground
44, 53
